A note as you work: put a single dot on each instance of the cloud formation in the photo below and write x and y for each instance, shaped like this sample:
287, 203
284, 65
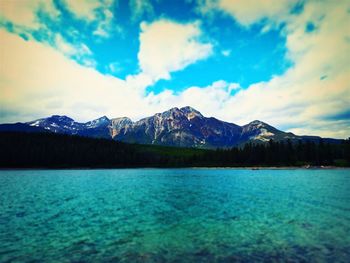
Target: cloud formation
302, 99
311, 97
41, 19
166, 46
23, 13
248, 12
38, 80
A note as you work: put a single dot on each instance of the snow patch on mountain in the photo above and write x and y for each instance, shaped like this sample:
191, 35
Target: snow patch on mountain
184, 126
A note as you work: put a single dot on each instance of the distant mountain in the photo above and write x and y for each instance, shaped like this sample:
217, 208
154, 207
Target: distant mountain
185, 127
63, 124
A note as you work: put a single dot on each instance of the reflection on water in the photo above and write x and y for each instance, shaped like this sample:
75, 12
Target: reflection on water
175, 215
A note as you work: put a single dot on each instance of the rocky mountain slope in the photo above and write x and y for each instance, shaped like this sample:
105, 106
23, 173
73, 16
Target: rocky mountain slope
175, 127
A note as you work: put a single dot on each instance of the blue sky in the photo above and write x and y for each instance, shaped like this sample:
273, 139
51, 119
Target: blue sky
284, 62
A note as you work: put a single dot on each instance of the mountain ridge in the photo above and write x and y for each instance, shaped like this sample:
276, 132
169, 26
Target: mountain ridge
183, 127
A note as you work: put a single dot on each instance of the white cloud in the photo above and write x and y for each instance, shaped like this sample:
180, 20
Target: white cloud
140, 8
79, 51
61, 86
139, 82
209, 100
18, 12
96, 12
105, 24
85, 9
23, 13
36, 80
248, 12
166, 46
300, 98
63, 46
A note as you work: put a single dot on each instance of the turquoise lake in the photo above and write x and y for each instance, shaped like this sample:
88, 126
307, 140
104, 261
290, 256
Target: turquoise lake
175, 215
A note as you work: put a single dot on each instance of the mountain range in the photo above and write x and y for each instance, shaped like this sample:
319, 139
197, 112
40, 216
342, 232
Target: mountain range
185, 127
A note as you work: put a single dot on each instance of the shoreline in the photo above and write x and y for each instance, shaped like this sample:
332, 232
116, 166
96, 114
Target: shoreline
253, 168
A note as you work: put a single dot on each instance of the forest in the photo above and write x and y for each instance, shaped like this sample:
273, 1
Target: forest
48, 150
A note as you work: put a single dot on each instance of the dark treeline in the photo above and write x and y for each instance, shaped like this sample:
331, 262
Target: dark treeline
47, 150
284, 153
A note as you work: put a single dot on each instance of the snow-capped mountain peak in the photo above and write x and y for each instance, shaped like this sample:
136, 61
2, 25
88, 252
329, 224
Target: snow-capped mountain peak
175, 127
97, 122
191, 113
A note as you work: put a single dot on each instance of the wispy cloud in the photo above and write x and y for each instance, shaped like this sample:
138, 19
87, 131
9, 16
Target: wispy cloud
140, 8
249, 12
46, 21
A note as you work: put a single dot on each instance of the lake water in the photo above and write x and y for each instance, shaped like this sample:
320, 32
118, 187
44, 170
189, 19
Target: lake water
175, 215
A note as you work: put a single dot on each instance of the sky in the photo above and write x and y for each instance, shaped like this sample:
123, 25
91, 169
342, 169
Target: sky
284, 62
